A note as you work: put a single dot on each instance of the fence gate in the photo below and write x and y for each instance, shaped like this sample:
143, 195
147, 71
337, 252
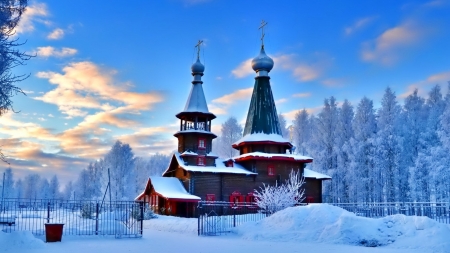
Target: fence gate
118, 218
218, 217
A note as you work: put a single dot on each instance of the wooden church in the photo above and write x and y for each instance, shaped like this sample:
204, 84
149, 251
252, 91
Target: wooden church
265, 156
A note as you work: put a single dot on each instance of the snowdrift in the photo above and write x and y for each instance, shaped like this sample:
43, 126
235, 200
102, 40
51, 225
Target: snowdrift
330, 224
18, 241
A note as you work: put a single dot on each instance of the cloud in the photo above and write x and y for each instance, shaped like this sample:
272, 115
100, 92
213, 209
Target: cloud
386, 48
56, 34
435, 3
424, 85
333, 82
51, 51
84, 85
157, 136
301, 70
280, 101
291, 115
219, 106
358, 25
32, 14
302, 95
244, 69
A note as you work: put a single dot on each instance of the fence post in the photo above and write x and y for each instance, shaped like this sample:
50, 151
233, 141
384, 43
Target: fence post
234, 214
97, 210
48, 212
141, 208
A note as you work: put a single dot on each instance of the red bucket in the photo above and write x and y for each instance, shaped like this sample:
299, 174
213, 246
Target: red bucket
53, 232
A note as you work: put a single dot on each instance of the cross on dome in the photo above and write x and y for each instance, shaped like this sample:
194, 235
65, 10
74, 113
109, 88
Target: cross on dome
263, 23
198, 48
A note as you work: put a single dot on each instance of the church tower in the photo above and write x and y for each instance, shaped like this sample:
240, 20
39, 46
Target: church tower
262, 132
195, 136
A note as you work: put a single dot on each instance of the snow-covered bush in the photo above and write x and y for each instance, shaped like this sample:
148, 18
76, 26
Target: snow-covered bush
148, 213
87, 210
278, 197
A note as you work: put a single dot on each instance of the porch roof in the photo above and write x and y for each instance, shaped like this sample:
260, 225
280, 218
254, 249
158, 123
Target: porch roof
169, 188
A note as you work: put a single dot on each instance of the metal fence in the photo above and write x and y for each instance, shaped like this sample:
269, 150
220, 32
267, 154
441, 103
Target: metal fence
436, 211
118, 218
218, 217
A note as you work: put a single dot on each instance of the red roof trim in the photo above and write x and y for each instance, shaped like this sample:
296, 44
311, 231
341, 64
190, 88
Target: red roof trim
261, 142
273, 158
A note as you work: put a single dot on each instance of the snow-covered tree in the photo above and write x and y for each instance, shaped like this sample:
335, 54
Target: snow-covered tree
230, 133
19, 189
54, 188
362, 156
120, 161
284, 127
301, 131
8, 188
68, 192
344, 133
273, 198
388, 147
32, 183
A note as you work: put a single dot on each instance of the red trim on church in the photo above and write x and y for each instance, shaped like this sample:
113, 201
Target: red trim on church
273, 158
261, 143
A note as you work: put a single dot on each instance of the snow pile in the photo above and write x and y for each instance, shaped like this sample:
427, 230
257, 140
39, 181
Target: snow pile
172, 224
18, 241
329, 224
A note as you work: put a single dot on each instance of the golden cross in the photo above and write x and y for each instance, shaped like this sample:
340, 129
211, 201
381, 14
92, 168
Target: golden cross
198, 48
263, 23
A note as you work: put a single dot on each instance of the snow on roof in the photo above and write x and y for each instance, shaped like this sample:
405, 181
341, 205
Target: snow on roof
272, 155
194, 131
219, 168
188, 153
261, 137
212, 154
313, 174
196, 101
171, 187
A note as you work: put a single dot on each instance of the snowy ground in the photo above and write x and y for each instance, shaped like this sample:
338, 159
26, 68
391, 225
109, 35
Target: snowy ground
313, 228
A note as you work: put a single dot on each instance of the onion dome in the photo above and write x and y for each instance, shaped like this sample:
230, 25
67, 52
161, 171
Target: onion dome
262, 62
198, 67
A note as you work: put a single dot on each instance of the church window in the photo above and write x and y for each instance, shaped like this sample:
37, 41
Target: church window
201, 143
271, 170
201, 161
210, 197
236, 198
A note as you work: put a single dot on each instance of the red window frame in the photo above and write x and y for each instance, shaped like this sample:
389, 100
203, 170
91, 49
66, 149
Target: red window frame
250, 199
201, 161
271, 170
210, 197
201, 143
236, 198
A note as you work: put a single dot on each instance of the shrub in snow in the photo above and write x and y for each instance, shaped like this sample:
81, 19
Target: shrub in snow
278, 197
148, 213
88, 210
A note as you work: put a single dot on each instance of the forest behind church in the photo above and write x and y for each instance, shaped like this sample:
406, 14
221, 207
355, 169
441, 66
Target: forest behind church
391, 153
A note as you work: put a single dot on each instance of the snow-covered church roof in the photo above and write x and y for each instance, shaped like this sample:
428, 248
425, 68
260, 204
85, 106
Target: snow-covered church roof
170, 188
313, 174
261, 137
272, 156
219, 168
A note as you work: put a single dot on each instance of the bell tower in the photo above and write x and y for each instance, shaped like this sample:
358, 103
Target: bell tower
195, 136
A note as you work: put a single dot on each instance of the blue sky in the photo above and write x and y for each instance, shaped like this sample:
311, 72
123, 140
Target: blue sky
108, 70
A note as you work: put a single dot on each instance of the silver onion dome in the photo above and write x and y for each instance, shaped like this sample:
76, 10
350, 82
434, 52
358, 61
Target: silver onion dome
262, 62
198, 67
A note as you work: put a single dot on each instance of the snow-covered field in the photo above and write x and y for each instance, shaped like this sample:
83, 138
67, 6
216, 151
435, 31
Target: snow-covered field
313, 228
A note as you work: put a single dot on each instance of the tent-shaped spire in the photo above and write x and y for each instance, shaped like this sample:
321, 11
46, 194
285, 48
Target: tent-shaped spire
262, 114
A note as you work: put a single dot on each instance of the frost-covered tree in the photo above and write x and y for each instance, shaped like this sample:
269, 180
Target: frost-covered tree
344, 133
284, 127
54, 188
44, 189
19, 189
230, 133
120, 161
301, 131
273, 198
8, 186
324, 143
363, 164
68, 192
32, 183
388, 147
